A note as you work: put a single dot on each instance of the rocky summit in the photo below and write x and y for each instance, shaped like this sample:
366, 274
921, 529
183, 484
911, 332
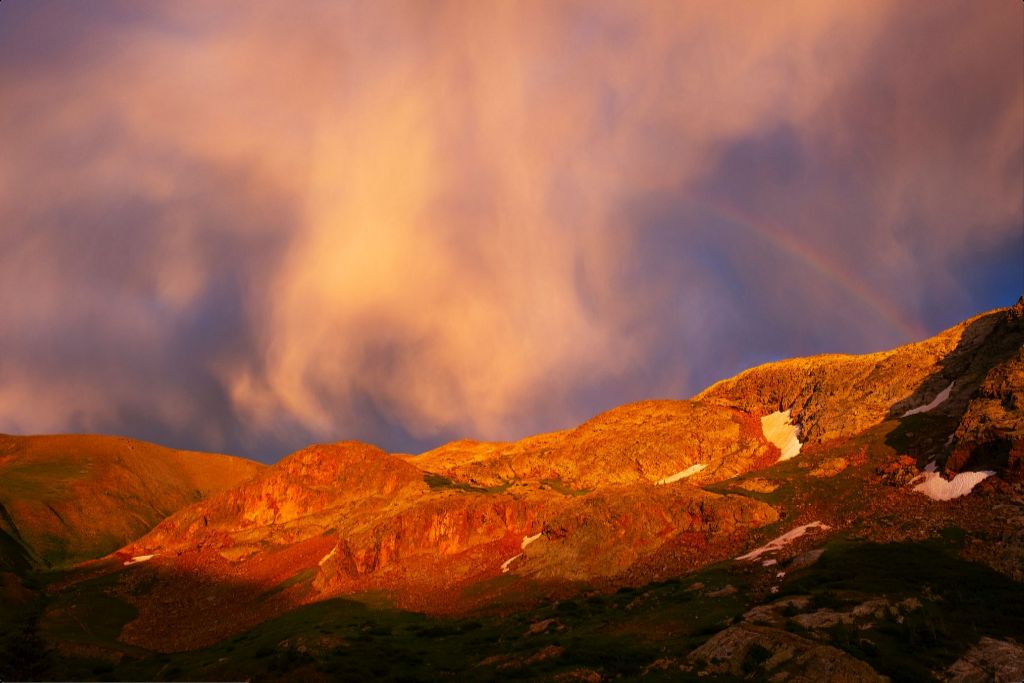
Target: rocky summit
845, 518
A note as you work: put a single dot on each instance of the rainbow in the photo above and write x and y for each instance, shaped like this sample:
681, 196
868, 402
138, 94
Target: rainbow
821, 263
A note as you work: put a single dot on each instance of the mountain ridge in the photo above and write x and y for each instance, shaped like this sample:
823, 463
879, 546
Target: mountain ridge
749, 488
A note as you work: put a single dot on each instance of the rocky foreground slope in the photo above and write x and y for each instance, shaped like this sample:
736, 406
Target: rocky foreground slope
814, 519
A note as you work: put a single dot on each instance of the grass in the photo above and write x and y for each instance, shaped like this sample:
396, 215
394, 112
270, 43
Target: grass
42, 479
366, 637
438, 481
618, 634
559, 486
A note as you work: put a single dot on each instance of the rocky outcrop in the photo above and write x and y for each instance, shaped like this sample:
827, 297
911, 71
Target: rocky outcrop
836, 396
374, 521
353, 518
437, 542
641, 529
763, 653
640, 442
990, 433
307, 494
829, 467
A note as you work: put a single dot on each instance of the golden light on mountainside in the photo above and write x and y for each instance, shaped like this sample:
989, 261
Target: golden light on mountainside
659, 516
549, 340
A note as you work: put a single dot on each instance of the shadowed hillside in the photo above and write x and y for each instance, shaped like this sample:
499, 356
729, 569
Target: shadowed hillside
64, 499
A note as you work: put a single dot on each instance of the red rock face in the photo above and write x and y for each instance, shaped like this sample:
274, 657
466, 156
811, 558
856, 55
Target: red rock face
619, 531
301, 495
351, 518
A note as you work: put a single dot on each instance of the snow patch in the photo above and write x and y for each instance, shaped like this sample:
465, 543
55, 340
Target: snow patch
139, 558
682, 474
943, 395
327, 556
935, 487
779, 430
505, 565
527, 540
783, 540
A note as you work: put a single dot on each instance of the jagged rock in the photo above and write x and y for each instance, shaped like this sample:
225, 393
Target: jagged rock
990, 433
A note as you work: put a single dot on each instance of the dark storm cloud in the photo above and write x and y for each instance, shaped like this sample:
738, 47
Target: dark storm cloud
249, 226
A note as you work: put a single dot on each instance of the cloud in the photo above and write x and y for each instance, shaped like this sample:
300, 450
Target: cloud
250, 227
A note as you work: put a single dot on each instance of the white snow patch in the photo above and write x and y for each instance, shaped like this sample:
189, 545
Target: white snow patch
768, 563
327, 556
682, 474
527, 540
935, 487
780, 431
943, 395
139, 558
782, 540
505, 565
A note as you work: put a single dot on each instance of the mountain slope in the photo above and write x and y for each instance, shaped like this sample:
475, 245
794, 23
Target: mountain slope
616, 501
69, 498
642, 442
342, 518
810, 519
836, 396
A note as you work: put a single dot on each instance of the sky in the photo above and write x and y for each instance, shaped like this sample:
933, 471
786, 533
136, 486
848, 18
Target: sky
247, 226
